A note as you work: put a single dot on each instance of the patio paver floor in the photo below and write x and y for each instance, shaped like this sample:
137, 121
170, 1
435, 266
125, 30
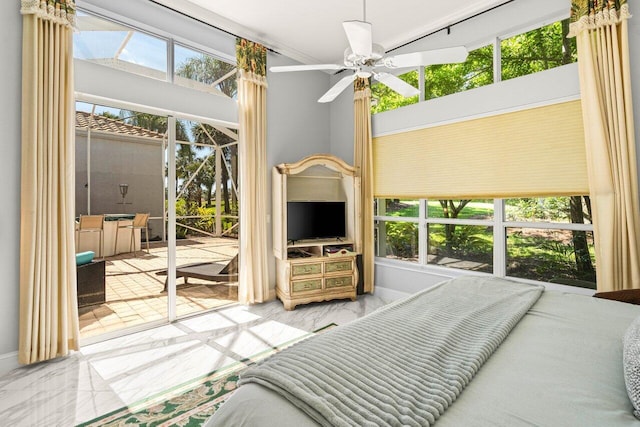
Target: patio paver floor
134, 292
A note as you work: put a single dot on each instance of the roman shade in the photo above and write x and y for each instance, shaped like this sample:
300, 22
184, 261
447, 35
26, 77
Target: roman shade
534, 152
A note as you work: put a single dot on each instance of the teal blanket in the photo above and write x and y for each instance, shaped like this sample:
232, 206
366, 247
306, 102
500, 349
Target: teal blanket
403, 365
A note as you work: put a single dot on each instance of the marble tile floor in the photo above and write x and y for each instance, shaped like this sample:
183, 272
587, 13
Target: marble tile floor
106, 376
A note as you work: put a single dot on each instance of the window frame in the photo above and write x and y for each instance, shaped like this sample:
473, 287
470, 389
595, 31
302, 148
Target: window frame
499, 225
497, 52
171, 40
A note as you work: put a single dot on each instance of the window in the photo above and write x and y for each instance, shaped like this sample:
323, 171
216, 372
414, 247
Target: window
537, 50
204, 72
460, 234
125, 48
207, 177
114, 45
550, 239
542, 239
388, 99
397, 239
446, 79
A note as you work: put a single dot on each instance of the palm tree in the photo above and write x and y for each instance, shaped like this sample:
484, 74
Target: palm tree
207, 69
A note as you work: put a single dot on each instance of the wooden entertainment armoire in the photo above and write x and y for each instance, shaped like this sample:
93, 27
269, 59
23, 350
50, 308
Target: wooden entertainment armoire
315, 269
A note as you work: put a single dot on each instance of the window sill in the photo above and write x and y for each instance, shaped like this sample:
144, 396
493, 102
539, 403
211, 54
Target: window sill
448, 273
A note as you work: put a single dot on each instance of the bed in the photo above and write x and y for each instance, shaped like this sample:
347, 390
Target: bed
561, 364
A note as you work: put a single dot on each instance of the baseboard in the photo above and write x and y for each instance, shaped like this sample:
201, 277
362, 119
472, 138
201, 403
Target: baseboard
389, 295
8, 362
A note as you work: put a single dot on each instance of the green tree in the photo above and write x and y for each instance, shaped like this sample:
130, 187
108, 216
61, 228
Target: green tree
109, 115
446, 79
389, 99
537, 50
451, 210
209, 70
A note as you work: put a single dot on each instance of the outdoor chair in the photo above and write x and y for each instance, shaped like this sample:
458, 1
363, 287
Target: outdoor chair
91, 224
140, 222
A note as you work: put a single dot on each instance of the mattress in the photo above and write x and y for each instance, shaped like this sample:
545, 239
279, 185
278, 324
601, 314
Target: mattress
560, 366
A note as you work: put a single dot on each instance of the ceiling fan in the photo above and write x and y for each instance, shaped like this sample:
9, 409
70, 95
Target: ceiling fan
368, 59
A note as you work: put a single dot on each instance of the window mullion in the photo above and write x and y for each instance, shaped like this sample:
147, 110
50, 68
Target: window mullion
423, 234
170, 60
497, 60
421, 83
499, 239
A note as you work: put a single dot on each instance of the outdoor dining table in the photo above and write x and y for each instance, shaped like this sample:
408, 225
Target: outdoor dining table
111, 226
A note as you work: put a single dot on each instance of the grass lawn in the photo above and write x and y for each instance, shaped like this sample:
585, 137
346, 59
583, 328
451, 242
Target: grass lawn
411, 209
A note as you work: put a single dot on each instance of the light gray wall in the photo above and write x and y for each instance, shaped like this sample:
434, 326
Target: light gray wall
341, 122
545, 87
297, 125
10, 87
105, 83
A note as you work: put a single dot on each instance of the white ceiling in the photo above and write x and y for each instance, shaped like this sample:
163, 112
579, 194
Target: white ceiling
311, 31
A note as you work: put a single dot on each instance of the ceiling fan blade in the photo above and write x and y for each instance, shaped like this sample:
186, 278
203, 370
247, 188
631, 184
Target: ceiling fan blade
396, 84
337, 88
359, 36
429, 57
285, 68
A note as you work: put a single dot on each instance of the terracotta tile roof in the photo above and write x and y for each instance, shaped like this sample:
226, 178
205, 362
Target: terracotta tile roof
106, 124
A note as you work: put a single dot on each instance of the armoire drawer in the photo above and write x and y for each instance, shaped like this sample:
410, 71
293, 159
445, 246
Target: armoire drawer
306, 285
338, 282
334, 266
306, 269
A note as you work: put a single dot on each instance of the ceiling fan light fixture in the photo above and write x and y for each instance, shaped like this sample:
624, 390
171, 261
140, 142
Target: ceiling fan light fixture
377, 52
363, 74
353, 60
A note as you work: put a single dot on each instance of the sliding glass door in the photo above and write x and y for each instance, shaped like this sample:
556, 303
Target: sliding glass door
162, 193
206, 216
120, 195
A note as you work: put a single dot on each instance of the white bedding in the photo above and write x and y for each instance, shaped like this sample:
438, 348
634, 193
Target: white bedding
560, 366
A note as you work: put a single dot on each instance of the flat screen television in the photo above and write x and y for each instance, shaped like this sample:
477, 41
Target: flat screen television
316, 220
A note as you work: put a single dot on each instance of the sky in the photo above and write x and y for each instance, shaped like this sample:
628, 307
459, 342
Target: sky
142, 49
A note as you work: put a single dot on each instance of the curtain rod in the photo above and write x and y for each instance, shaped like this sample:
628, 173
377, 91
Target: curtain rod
202, 22
448, 27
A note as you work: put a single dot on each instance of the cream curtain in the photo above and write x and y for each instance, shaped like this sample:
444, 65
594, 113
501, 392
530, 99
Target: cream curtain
48, 306
253, 284
363, 162
605, 83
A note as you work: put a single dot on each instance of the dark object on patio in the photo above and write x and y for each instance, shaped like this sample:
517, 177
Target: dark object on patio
90, 279
211, 271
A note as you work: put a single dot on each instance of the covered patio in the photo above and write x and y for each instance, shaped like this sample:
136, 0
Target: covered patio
134, 292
